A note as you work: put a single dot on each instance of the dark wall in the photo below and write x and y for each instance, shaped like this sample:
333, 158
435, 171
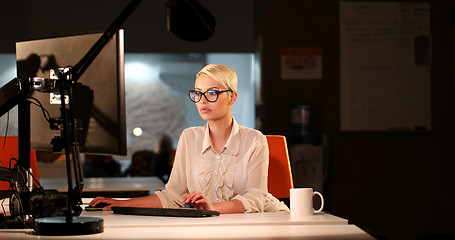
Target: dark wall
397, 185
144, 31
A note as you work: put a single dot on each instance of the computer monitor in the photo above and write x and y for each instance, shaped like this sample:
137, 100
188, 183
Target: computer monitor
98, 97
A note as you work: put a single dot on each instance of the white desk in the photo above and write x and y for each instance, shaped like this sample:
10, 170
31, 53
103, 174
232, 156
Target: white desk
316, 232
109, 187
244, 219
270, 218
107, 184
278, 225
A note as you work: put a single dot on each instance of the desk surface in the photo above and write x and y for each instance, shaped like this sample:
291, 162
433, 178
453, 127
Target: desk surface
226, 226
316, 232
244, 219
274, 225
107, 184
269, 218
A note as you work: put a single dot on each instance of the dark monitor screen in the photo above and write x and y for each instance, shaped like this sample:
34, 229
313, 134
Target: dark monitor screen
98, 97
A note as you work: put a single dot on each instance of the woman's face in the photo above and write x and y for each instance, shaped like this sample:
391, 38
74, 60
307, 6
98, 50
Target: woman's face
213, 111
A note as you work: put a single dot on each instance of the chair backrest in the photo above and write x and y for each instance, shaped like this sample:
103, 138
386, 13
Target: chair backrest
280, 175
11, 150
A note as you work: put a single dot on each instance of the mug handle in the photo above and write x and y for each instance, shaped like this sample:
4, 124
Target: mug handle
322, 201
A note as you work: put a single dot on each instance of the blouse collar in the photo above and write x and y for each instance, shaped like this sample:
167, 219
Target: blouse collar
232, 144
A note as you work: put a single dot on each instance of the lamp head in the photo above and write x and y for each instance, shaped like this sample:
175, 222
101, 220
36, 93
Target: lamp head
189, 20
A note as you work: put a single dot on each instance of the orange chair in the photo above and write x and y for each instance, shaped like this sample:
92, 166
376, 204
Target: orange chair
280, 175
11, 150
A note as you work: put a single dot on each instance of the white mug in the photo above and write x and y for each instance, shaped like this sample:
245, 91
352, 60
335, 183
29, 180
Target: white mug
302, 201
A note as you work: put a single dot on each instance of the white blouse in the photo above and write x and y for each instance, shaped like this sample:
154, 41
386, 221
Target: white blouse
238, 172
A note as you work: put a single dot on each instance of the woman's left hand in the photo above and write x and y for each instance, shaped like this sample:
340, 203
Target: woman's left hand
198, 201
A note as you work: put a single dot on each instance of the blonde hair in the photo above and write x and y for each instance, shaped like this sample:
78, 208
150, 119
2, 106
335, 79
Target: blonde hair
222, 74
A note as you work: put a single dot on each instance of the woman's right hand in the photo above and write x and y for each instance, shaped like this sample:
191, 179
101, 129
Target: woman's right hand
109, 201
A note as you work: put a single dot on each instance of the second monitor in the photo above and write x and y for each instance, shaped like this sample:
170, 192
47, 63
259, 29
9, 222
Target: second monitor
98, 96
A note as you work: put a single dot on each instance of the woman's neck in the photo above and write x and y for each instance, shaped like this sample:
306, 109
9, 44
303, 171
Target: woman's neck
219, 132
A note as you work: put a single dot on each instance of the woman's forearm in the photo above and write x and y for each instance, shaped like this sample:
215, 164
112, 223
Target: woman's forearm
151, 201
232, 206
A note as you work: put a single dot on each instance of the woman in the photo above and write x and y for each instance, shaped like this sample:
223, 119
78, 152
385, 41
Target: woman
221, 166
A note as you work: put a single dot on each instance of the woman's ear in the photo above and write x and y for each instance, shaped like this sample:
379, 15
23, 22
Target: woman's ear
233, 98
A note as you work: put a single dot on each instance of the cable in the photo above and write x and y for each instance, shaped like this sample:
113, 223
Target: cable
3, 207
20, 215
38, 103
6, 134
6, 131
39, 187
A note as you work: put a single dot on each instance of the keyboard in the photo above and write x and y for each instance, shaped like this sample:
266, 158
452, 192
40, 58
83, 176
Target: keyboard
169, 212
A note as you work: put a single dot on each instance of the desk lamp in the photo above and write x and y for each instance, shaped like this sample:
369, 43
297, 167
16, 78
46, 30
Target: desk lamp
185, 19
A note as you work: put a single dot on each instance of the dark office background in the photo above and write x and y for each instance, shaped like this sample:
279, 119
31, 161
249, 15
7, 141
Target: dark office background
394, 185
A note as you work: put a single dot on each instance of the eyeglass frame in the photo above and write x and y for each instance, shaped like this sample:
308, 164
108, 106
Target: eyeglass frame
203, 94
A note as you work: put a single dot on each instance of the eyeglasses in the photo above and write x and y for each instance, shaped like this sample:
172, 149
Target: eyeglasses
210, 95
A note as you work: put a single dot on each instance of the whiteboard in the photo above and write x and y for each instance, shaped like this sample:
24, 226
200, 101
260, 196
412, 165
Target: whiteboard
385, 62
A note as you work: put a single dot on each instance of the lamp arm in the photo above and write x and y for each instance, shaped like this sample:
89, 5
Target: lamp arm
12, 93
80, 67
